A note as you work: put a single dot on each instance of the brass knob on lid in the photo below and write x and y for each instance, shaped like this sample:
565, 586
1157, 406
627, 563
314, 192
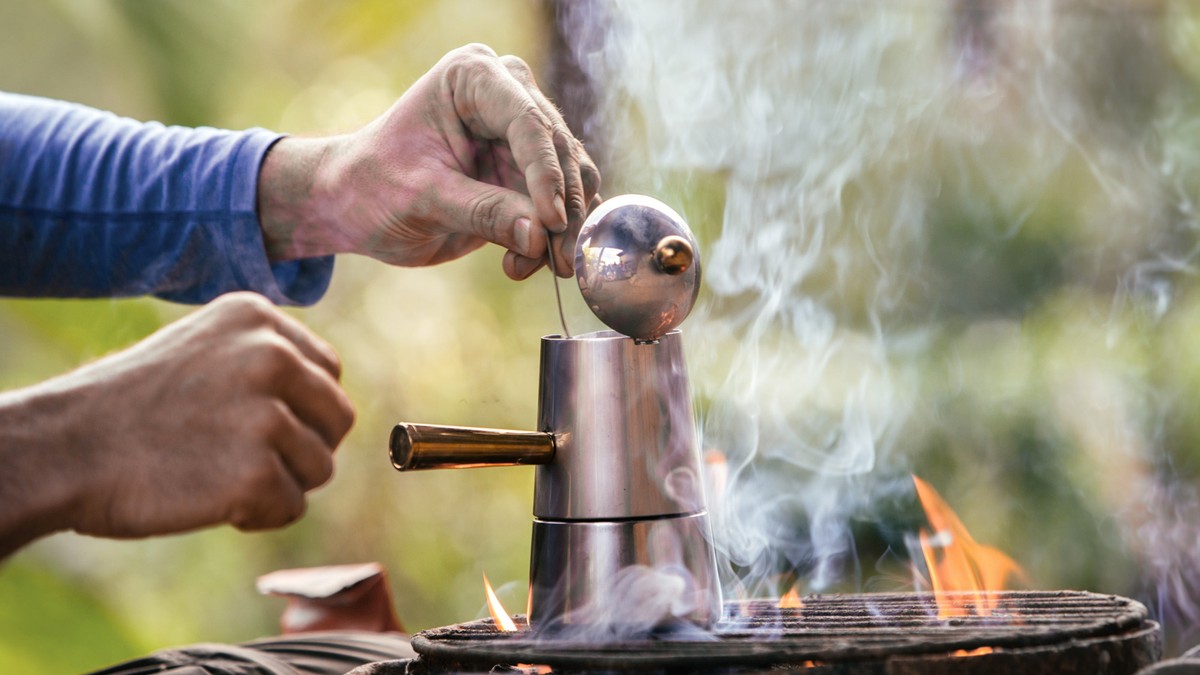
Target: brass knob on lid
673, 255
638, 266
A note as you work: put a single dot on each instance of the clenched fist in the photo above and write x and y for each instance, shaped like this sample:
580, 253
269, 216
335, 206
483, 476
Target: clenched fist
227, 416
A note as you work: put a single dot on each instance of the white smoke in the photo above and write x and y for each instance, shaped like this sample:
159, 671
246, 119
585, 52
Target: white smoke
880, 165
802, 109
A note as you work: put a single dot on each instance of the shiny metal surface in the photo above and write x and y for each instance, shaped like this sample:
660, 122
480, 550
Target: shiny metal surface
620, 413
422, 446
638, 266
641, 572
621, 533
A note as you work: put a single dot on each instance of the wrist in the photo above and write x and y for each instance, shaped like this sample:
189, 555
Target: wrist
42, 485
296, 200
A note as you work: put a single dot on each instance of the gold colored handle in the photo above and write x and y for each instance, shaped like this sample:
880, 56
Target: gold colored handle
422, 446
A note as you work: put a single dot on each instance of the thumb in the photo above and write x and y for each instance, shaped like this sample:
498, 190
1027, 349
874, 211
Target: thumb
490, 212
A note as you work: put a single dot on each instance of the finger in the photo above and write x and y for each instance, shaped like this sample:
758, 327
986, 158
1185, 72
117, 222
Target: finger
590, 176
567, 148
569, 161
564, 252
504, 171
314, 348
251, 310
519, 268
496, 105
453, 247
317, 400
307, 456
496, 214
271, 498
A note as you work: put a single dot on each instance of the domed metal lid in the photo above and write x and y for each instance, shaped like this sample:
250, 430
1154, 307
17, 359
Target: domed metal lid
638, 266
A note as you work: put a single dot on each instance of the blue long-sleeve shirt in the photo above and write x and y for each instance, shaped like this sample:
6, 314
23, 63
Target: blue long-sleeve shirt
96, 205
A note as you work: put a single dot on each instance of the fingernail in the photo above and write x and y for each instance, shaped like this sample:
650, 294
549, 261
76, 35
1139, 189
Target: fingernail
562, 212
521, 232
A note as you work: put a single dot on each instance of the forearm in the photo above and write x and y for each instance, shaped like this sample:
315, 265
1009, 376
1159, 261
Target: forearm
39, 480
95, 205
228, 415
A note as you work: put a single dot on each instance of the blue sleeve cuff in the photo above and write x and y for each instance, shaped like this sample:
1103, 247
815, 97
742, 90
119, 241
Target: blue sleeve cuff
295, 282
96, 205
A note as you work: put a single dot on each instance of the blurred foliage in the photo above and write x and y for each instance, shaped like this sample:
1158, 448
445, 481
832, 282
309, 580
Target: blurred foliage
457, 344
56, 626
1038, 327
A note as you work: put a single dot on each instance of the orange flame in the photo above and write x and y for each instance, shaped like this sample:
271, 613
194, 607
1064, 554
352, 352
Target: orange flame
964, 564
978, 651
505, 624
791, 600
500, 617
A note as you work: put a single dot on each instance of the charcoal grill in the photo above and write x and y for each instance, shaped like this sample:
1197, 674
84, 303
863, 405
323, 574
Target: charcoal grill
893, 633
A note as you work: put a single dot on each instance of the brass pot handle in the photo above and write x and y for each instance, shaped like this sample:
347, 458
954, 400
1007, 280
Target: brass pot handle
421, 446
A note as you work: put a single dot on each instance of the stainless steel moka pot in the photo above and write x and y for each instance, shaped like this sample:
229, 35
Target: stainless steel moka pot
619, 508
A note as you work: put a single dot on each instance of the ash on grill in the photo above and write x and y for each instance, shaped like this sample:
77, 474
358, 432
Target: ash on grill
1028, 632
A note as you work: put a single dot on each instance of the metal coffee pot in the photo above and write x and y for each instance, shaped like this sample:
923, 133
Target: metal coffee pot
619, 504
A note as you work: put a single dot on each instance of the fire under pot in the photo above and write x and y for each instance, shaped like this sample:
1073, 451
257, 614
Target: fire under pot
1028, 632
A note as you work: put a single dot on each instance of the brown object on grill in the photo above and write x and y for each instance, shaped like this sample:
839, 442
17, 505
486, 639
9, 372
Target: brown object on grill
888, 633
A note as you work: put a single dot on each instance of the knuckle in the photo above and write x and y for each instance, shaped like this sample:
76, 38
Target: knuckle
259, 478
547, 156
348, 415
335, 361
590, 176
269, 421
322, 471
486, 213
517, 66
246, 305
475, 49
273, 358
575, 201
471, 61
588, 170
533, 116
564, 140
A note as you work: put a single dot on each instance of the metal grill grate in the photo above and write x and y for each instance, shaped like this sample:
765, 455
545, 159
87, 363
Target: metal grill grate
836, 632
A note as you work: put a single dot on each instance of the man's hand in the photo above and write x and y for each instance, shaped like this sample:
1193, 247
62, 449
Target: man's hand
227, 416
473, 152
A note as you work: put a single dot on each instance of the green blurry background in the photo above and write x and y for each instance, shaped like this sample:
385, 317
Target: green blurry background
455, 345
1025, 338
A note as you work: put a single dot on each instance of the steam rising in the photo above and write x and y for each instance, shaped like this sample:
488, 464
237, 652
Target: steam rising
909, 190
644, 600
